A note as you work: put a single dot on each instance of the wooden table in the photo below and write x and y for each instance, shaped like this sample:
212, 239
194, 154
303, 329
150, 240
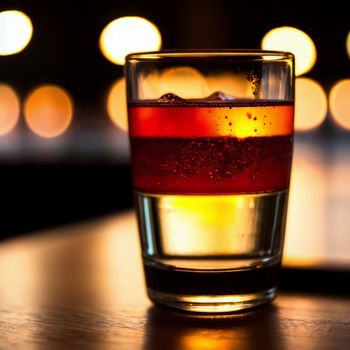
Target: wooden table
82, 287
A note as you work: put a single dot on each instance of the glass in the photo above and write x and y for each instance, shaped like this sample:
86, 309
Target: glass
211, 137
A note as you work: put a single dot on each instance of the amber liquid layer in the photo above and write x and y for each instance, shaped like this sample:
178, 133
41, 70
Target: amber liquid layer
197, 248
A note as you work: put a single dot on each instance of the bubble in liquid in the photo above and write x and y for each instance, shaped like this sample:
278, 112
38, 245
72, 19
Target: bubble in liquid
215, 97
254, 78
171, 98
218, 96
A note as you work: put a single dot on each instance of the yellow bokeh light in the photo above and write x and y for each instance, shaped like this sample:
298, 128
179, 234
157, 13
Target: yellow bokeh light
185, 82
126, 35
295, 41
310, 104
339, 103
48, 111
9, 109
236, 86
15, 32
116, 104
348, 44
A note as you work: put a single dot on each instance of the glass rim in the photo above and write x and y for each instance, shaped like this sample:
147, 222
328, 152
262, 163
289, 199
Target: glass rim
250, 54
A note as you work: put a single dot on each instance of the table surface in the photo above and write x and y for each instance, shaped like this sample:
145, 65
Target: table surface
82, 287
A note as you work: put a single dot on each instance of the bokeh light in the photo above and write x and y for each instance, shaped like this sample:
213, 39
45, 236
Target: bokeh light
348, 44
310, 104
185, 82
48, 111
116, 104
15, 32
339, 103
126, 35
295, 41
236, 86
9, 109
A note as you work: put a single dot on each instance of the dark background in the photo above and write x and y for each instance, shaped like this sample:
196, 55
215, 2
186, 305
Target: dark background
40, 189
64, 47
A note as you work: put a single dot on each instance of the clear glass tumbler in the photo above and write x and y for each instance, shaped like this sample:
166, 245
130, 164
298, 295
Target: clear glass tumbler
211, 135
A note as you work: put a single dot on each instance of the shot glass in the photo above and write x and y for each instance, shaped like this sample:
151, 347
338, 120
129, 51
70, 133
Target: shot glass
211, 137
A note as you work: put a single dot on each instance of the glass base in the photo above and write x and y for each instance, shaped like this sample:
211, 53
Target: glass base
212, 304
212, 291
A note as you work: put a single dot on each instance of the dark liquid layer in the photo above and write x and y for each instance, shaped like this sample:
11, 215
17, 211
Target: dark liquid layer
181, 282
211, 165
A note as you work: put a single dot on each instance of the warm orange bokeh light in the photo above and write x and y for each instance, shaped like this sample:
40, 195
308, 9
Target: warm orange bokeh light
310, 104
116, 104
48, 111
9, 109
339, 103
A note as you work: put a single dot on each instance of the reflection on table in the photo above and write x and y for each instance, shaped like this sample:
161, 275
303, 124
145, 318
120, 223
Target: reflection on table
82, 287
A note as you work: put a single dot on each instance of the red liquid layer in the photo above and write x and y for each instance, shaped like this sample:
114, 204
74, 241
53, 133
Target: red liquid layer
196, 147
204, 119
211, 165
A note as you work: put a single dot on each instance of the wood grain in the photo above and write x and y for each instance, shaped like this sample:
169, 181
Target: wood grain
82, 287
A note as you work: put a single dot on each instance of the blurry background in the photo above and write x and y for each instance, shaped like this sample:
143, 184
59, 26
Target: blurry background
63, 145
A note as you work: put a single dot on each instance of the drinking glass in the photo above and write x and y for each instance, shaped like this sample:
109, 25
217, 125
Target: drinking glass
211, 137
